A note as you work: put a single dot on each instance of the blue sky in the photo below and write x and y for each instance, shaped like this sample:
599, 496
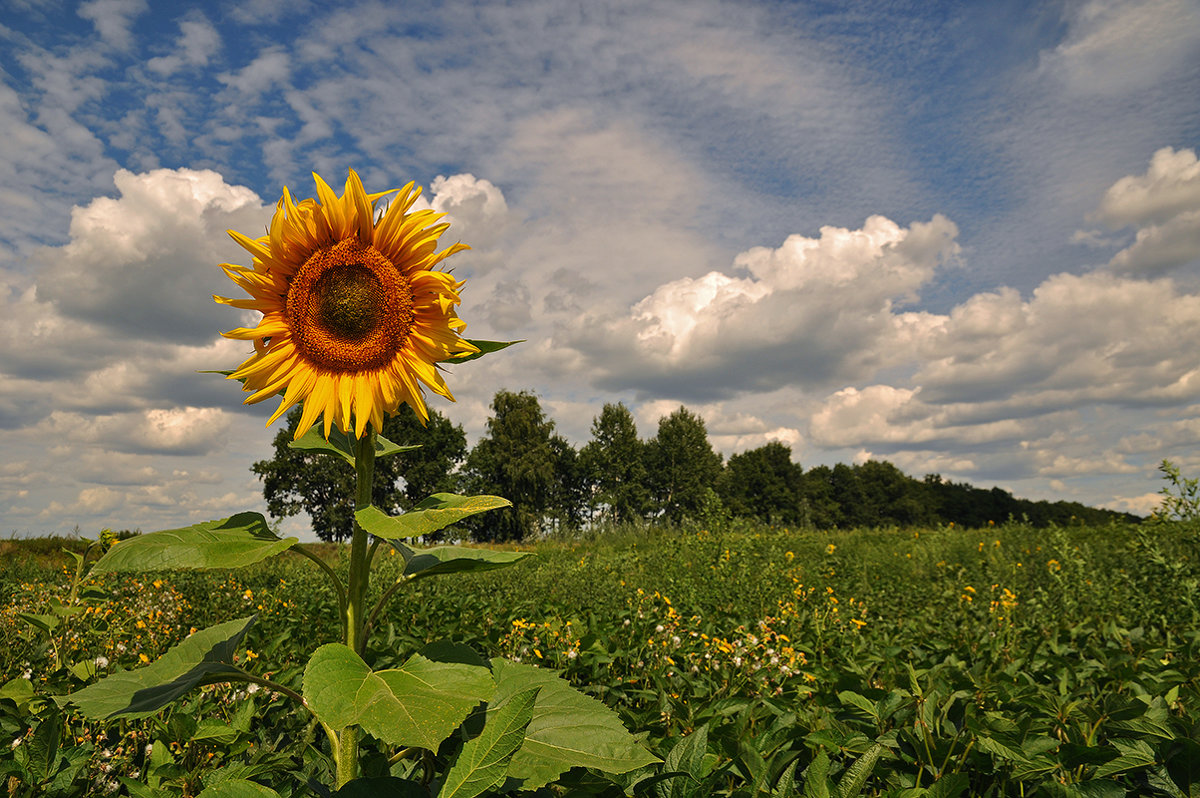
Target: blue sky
960, 237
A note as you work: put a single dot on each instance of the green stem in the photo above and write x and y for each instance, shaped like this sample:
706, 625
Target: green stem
383, 600
371, 553
275, 687
283, 689
402, 753
356, 594
338, 587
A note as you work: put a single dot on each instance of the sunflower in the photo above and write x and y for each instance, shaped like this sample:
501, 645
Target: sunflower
355, 318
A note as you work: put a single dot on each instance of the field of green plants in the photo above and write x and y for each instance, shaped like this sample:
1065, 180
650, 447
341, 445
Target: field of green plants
752, 660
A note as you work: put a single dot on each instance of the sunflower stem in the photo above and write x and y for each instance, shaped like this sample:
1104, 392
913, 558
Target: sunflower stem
356, 594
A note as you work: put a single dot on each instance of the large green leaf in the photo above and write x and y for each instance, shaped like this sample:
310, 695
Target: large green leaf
436, 512
419, 703
483, 762
240, 540
852, 781
1134, 754
484, 347
238, 788
816, 777
342, 445
205, 657
449, 559
568, 729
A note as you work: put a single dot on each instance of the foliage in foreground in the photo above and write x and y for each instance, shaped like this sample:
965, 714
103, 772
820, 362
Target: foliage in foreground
754, 661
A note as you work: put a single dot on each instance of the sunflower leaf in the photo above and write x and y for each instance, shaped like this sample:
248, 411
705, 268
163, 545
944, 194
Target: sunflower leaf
384, 447
483, 762
342, 445
484, 347
314, 441
451, 559
205, 657
419, 703
436, 512
233, 542
568, 729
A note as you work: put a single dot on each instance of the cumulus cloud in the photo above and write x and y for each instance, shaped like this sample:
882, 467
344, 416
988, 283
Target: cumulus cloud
810, 311
1161, 247
178, 431
478, 215
1170, 186
893, 418
144, 264
1164, 204
1078, 339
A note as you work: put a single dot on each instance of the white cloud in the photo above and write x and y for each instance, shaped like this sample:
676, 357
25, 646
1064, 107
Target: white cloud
475, 208
1161, 247
811, 311
178, 430
113, 19
1115, 46
1164, 203
885, 416
259, 12
1144, 504
144, 264
1169, 186
198, 41
270, 69
1078, 340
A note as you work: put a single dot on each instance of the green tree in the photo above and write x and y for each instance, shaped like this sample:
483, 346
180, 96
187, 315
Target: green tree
892, 496
516, 459
681, 465
852, 508
568, 493
614, 466
322, 486
819, 509
764, 483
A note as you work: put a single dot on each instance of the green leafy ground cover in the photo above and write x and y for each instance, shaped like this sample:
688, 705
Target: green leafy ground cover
752, 660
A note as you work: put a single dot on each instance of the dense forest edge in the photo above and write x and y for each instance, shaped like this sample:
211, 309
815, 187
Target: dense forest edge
617, 478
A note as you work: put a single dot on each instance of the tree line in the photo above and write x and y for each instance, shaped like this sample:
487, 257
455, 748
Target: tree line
618, 478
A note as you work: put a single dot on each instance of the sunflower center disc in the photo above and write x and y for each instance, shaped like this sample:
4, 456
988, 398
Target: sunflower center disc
349, 298
349, 308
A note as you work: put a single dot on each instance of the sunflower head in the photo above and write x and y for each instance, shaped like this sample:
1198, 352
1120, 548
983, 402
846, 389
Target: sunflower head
355, 316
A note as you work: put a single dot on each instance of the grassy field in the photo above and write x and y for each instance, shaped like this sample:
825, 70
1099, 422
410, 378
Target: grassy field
754, 660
